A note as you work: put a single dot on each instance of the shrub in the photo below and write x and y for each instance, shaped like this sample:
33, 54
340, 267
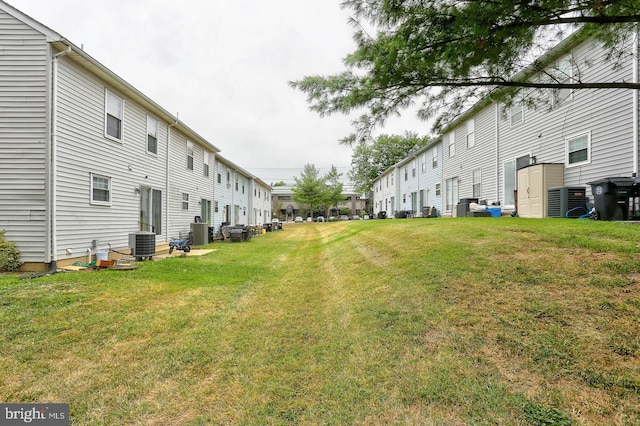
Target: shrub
9, 254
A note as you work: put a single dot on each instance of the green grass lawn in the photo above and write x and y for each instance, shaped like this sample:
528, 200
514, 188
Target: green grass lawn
477, 321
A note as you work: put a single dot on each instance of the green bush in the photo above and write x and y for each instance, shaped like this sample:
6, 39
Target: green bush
9, 254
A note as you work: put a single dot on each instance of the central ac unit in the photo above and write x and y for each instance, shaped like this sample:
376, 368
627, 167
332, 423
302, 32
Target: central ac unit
563, 199
142, 244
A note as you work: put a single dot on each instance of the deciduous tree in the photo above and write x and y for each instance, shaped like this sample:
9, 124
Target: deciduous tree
369, 161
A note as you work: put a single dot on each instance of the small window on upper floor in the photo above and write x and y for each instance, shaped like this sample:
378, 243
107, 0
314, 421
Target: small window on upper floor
516, 112
206, 163
471, 133
564, 75
434, 157
114, 116
152, 135
451, 139
189, 155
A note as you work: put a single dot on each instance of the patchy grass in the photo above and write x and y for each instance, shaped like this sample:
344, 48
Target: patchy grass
439, 321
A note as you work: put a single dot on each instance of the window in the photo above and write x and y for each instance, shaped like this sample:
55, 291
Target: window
243, 188
236, 186
434, 157
216, 207
406, 173
451, 188
228, 177
185, 201
413, 169
114, 111
564, 74
152, 135
438, 189
150, 210
100, 190
476, 180
189, 155
205, 210
516, 112
387, 181
578, 150
424, 163
471, 133
219, 178
206, 163
452, 144
404, 198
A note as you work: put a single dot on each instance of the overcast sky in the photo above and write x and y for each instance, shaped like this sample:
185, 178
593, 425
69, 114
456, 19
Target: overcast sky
223, 67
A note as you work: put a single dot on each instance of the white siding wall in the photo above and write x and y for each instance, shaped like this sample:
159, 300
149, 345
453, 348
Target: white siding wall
607, 114
241, 198
388, 192
224, 192
432, 177
377, 196
185, 181
23, 137
260, 198
482, 155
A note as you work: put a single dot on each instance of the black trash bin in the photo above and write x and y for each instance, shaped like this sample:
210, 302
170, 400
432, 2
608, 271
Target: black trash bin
611, 197
382, 215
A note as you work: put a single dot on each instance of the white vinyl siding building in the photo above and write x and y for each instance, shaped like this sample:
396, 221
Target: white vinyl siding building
24, 137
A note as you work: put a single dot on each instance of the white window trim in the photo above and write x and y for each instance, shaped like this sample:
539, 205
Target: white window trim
476, 173
452, 144
190, 154
517, 102
152, 120
185, 201
106, 101
99, 202
570, 79
471, 132
566, 149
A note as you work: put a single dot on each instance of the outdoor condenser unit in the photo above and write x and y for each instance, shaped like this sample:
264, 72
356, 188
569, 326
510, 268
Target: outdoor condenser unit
143, 244
561, 199
200, 234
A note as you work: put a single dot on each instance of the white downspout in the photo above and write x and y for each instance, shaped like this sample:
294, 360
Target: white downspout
166, 195
498, 153
636, 108
54, 160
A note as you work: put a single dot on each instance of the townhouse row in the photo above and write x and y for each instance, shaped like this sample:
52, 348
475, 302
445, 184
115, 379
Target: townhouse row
87, 160
583, 135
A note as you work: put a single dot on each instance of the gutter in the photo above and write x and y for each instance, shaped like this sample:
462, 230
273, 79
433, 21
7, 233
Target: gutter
166, 195
636, 94
52, 197
54, 156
